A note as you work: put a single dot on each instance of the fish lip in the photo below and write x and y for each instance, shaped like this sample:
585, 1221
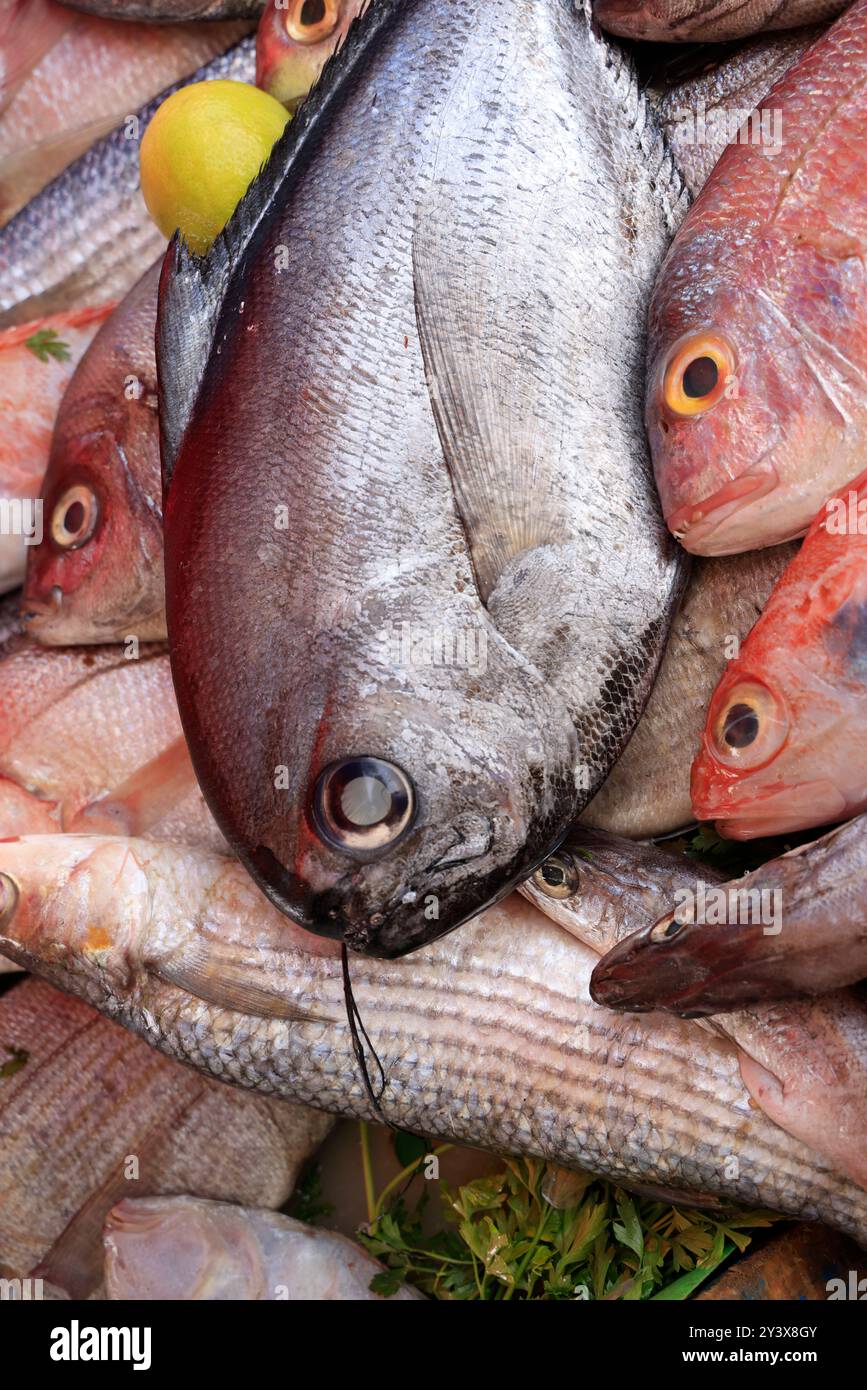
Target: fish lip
757, 812
697, 524
34, 611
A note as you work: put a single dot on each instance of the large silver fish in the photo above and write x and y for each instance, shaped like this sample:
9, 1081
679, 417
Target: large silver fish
88, 236
486, 1037
448, 587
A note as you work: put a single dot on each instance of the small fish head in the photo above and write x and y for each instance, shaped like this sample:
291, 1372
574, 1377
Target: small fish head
294, 41
665, 965
744, 438
96, 575
404, 828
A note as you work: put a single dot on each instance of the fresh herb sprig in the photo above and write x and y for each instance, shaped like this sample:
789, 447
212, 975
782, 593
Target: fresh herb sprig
46, 343
502, 1240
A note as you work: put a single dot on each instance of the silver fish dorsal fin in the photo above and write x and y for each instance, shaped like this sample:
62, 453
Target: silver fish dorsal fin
193, 288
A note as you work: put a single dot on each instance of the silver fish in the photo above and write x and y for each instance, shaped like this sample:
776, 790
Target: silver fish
803, 1062
88, 235
90, 1115
487, 1037
703, 113
189, 1249
647, 791
443, 393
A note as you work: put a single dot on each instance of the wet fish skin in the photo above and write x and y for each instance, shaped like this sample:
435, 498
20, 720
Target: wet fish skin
804, 1062
704, 968
192, 1250
101, 1097
731, 88
105, 465
783, 744
131, 773
31, 389
647, 792
765, 279
291, 53
363, 476
671, 21
89, 233
486, 1037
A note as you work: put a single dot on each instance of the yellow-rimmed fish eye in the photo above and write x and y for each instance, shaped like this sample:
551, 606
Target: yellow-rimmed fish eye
700, 368
8, 899
750, 725
666, 928
557, 877
74, 517
363, 804
312, 21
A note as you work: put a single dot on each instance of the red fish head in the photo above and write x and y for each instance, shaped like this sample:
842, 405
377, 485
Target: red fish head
747, 439
294, 42
96, 575
783, 747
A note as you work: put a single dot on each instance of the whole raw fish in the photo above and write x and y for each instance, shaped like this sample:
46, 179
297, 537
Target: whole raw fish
785, 742
710, 108
189, 1249
294, 40
803, 1062
98, 574
129, 774
88, 235
647, 792
757, 361
691, 20
89, 81
448, 588
90, 1116
700, 967
36, 362
486, 1037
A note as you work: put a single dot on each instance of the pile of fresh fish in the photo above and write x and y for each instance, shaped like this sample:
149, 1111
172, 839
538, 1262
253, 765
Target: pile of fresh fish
354, 595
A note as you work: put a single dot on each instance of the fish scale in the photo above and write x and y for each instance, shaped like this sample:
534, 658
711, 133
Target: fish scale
486, 1037
88, 235
378, 178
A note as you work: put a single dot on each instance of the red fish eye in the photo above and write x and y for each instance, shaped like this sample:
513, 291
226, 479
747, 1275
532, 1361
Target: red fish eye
699, 369
74, 517
363, 804
750, 726
311, 21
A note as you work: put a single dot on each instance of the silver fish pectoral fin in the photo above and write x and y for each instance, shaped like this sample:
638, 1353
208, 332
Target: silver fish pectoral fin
217, 972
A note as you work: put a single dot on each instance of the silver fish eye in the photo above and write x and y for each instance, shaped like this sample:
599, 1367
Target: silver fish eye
363, 804
557, 877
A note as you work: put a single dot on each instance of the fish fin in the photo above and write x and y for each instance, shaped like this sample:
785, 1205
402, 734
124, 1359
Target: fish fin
216, 972
193, 288
142, 800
